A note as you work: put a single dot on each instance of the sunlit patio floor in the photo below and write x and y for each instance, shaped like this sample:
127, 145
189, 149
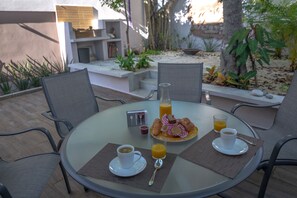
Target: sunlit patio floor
24, 111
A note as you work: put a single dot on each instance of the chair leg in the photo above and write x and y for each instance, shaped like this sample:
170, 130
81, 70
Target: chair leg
86, 189
59, 144
65, 178
4, 192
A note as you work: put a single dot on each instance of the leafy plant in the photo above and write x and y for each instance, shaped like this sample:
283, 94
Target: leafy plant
20, 74
190, 41
220, 79
144, 61
4, 83
212, 73
210, 45
253, 43
280, 18
126, 63
241, 81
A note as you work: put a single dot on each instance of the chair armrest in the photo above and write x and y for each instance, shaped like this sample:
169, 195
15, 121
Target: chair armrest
151, 94
268, 165
108, 99
237, 106
4, 192
49, 116
39, 129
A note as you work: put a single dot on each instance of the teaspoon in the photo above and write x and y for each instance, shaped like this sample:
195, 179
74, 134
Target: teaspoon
158, 164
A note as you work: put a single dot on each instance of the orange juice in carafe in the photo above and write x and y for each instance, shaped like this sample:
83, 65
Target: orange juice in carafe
165, 108
165, 101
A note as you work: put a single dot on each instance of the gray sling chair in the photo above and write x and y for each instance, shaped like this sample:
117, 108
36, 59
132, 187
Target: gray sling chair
185, 80
71, 100
27, 177
279, 149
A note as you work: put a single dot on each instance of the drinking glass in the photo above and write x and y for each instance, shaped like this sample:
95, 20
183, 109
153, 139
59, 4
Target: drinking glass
219, 122
159, 149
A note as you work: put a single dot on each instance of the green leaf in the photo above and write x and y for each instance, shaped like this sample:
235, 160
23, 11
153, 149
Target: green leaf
233, 82
259, 34
264, 56
260, 62
253, 45
249, 75
276, 44
240, 49
242, 59
238, 36
233, 75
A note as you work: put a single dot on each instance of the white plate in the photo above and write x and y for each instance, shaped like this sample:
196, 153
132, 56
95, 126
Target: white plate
115, 167
239, 148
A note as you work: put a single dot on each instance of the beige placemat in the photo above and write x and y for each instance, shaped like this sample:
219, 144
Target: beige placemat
97, 168
203, 154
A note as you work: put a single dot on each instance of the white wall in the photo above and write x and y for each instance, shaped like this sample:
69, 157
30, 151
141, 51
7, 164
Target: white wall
136, 29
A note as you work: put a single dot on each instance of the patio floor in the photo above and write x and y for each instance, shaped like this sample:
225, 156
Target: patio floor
24, 111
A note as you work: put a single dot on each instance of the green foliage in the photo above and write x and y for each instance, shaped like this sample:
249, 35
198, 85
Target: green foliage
27, 74
144, 61
4, 83
113, 4
152, 52
254, 43
241, 81
280, 18
20, 74
212, 73
210, 45
126, 63
190, 41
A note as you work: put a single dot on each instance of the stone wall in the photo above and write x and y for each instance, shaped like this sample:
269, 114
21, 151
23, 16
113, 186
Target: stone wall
209, 30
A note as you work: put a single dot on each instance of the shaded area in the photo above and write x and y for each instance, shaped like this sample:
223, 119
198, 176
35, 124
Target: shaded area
26, 27
7, 17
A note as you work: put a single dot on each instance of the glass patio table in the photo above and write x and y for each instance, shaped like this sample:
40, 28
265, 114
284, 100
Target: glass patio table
110, 125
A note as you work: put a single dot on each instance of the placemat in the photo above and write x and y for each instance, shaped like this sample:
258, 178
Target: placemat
203, 154
97, 168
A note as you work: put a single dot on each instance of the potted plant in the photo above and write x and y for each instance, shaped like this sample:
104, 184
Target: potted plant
191, 48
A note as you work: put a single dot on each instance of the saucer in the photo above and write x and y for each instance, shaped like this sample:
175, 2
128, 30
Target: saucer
240, 147
138, 167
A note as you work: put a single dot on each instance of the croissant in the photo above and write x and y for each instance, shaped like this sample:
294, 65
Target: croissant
157, 125
186, 122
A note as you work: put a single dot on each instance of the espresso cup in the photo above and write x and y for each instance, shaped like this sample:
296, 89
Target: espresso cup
228, 137
126, 155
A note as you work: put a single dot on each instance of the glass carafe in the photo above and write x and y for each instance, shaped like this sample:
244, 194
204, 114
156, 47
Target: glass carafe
165, 101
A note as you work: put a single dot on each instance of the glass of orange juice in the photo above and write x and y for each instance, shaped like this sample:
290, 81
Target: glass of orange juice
219, 122
159, 149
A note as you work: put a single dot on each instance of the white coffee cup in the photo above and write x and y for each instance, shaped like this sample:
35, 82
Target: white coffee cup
126, 154
228, 137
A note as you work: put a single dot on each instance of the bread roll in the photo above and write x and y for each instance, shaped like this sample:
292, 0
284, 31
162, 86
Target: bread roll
186, 122
157, 125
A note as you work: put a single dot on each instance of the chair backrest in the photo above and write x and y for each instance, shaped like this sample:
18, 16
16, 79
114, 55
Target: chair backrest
70, 97
287, 112
185, 80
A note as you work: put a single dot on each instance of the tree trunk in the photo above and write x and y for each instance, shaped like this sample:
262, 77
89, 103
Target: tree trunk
158, 23
127, 29
232, 14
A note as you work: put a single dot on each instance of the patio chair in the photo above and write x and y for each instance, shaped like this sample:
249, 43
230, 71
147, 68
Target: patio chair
278, 147
71, 100
27, 177
185, 80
